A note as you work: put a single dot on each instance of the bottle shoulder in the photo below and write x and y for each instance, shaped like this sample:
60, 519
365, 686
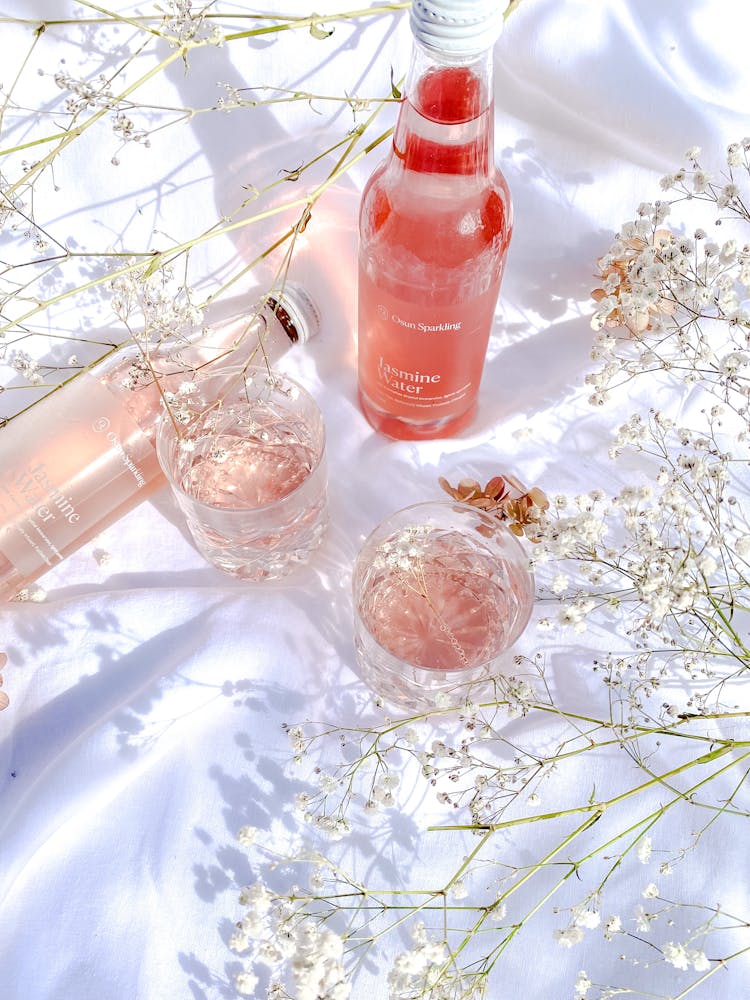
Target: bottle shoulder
392, 176
423, 212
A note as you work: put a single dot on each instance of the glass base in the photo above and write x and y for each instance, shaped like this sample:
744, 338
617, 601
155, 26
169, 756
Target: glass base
402, 429
263, 555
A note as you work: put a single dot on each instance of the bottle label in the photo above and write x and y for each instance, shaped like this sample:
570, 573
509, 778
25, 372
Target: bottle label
417, 360
67, 465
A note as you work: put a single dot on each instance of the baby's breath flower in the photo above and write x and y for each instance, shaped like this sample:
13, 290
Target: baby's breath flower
677, 955
246, 983
612, 926
701, 181
582, 986
643, 920
569, 936
459, 890
247, 835
644, 850
586, 917
699, 961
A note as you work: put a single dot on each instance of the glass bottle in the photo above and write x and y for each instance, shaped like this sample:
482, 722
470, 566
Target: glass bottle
434, 228
82, 457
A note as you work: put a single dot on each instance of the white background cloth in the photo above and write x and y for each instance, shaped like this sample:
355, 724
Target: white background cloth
148, 694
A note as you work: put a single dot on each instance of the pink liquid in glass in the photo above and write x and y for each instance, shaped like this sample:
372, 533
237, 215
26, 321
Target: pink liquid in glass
249, 472
441, 592
234, 471
453, 621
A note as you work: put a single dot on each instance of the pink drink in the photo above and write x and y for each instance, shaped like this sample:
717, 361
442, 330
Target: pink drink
248, 472
435, 224
439, 617
231, 470
441, 591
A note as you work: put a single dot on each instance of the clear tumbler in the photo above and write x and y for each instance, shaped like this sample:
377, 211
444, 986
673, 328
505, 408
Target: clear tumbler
244, 453
441, 591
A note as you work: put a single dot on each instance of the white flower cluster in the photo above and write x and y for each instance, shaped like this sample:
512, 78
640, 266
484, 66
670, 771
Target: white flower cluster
187, 24
692, 288
85, 94
10, 208
581, 986
381, 793
27, 367
309, 955
682, 957
151, 299
463, 773
585, 916
404, 550
97, 95
667, 556
17, 221
419, 972
124, 127
640, 262
137, 374
333, 826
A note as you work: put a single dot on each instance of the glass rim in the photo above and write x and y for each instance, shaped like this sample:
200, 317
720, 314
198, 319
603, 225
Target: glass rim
444, 503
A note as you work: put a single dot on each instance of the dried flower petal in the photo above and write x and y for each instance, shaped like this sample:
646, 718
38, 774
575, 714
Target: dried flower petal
505, 498
624, 304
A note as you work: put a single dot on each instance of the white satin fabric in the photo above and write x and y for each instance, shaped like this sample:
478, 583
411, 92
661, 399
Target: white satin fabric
147, 695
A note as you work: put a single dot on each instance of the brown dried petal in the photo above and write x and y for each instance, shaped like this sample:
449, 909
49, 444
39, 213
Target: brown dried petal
506, 499
483, 503
469, 488
496, 488
516, 485
445, 485
539, 498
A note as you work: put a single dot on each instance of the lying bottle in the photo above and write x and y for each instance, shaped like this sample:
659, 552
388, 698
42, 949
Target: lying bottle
82, 457
434, 229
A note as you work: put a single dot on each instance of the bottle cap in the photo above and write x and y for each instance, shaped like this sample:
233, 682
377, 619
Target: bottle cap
457, 27
296, 312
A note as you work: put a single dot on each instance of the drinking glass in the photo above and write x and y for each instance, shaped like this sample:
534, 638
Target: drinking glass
244, 453
441, 591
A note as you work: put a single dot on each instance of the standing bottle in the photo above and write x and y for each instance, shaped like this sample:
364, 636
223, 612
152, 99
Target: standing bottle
83, 456
434, 229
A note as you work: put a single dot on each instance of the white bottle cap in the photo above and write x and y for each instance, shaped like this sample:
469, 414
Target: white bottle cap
457, 27
297, 312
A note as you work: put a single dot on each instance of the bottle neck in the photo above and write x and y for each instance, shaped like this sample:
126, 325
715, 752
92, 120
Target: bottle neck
445, 123
261, 331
